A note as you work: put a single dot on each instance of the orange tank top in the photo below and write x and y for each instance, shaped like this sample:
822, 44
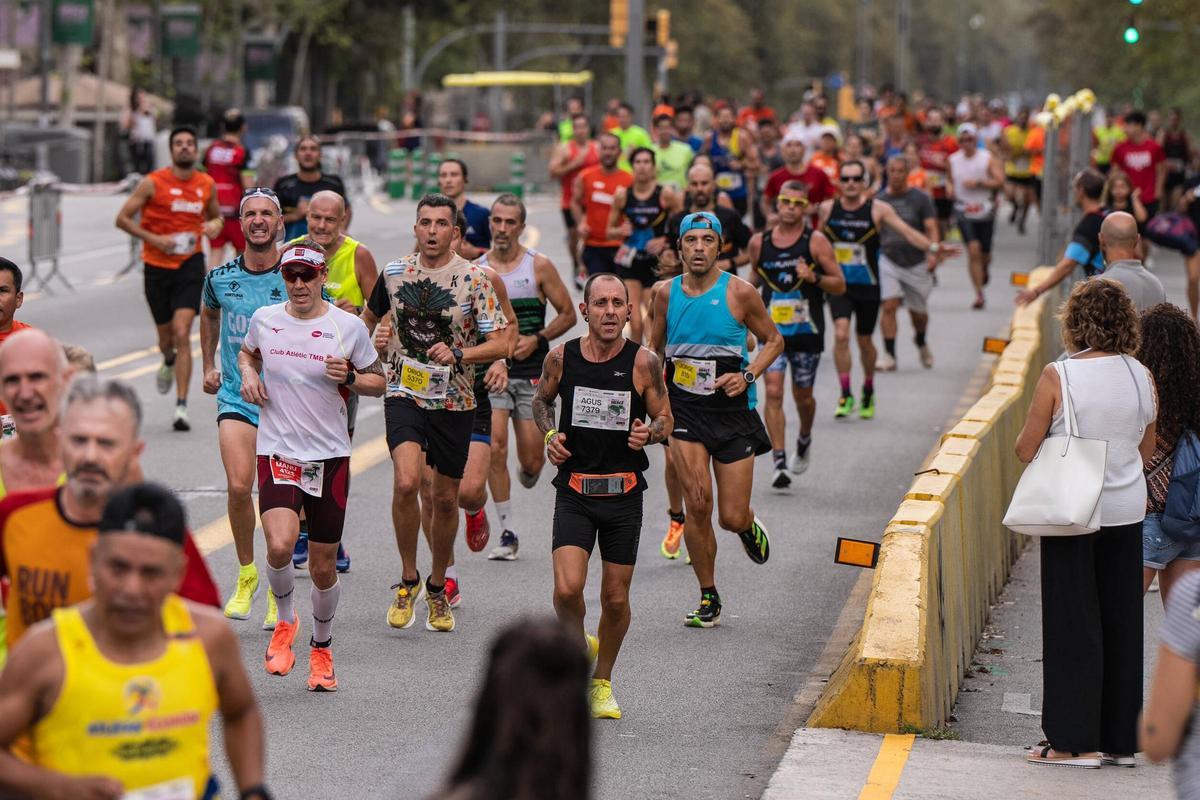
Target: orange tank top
599, 189
176, 210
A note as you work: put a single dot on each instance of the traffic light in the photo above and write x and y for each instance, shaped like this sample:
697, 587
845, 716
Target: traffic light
1132, 35
1135, 2
662, 28
672, 48
618, 22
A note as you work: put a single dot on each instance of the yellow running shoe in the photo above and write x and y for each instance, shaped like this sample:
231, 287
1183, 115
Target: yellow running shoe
247, 588
272, 613
670, 543
400, 613
441, 618
593, 648
600, 696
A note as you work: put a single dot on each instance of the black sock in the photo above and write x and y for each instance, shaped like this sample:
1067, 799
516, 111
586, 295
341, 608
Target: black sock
920, 338
433, 589
170, 360
412, 583
867, 393
675, 517
802, 444
708, 590
181, 402
325, 643
780, 457
890, 346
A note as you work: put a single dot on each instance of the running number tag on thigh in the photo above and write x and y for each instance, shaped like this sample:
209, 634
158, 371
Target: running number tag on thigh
308, 476
185, 243
178, 789
977, 210
8, 426
625, 255
427, 381
600, 408
789, 311
698, 376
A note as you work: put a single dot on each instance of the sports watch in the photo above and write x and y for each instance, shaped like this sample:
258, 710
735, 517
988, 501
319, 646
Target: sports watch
458, 355
748, 376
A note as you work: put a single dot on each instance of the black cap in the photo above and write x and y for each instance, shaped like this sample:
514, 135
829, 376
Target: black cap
147, 508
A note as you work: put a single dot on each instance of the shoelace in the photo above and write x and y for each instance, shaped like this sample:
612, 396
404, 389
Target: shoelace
441, 606
403, 592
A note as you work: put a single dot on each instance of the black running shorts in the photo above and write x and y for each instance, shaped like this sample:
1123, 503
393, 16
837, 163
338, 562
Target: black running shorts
616, 522
169, 290
445, 436
860, 301
599, 259
326, 514
728, 436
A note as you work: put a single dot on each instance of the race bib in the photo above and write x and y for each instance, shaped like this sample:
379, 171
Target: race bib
8, 426
308, 476
178, 789
849, 253
600, 408
625, 255
695, 375
1021, 164
935, 180
185, 244
976, 210
789, 311
427, 381
730, 181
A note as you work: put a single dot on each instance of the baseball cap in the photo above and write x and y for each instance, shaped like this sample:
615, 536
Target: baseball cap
968, 129
793, 135
147, 508
303, 256
701, 220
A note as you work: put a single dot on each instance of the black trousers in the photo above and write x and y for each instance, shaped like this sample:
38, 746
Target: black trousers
1092, 640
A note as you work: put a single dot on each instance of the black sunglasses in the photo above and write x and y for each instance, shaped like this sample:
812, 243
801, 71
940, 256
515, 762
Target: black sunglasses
291, 274
852, 178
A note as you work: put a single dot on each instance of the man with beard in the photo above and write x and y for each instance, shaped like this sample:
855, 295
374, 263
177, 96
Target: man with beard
178, 205
702, 194
435, 304
296, 189
591, 203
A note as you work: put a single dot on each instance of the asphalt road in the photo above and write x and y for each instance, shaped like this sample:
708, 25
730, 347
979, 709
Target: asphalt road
701, 706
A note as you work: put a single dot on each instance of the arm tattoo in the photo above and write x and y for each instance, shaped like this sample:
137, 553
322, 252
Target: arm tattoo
543, 399
374, 369
657, 389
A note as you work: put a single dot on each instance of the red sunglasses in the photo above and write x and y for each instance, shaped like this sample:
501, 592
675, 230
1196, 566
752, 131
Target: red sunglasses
291, 275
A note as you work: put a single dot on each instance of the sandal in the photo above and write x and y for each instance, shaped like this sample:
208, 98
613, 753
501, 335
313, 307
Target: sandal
1040, 754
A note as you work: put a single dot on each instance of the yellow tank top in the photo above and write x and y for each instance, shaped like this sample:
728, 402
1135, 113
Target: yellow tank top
152, 730
342, 283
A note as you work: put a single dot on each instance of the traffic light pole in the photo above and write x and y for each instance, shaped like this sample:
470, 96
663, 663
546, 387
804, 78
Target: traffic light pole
635, 60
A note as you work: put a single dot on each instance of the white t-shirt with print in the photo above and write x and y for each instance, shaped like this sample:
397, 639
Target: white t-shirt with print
305, 414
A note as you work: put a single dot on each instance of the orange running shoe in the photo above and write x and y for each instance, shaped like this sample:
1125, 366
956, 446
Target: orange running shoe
320, 670
670, 542
280, 658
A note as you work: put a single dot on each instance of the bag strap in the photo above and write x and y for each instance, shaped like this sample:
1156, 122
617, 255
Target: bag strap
1137, 387
1067, 408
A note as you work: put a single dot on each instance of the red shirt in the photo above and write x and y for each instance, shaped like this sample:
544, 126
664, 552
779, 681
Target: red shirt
935, 159
591, 159
1140, 162
751, 114
819, 187
599, 188
225, 162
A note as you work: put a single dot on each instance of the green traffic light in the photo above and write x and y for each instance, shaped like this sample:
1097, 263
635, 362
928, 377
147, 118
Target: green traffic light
1132, 35
1135, 2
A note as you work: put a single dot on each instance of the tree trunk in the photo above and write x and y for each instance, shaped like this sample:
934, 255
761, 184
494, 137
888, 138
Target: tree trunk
300, 67
105, 13
72, 56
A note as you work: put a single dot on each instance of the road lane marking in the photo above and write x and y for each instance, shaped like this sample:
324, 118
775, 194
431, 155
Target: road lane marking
889, 764
133, 356
217, 534
146, 370
533, 236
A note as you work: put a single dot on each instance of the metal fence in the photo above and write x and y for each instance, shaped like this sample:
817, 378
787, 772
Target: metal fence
1068, 126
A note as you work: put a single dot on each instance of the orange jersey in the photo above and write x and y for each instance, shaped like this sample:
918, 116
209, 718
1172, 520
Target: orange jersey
827, 164
177, 210
1035, 143
599, 189
918, 179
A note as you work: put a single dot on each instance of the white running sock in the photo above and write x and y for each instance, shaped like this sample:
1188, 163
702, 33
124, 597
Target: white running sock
504, 510
452, 571
324, 606
283, 582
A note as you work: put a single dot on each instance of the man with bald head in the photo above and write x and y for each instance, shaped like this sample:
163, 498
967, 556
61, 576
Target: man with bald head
1120, 244
33, 374
702, 196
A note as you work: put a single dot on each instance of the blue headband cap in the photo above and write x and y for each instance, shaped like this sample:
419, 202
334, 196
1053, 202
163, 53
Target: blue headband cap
701, 220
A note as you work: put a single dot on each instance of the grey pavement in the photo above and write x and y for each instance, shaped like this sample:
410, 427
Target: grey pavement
708, 714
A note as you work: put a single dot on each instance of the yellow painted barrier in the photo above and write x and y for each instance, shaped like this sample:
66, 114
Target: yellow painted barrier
944, 556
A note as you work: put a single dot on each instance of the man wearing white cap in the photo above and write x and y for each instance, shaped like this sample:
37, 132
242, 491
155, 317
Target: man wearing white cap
975, 176
794, 168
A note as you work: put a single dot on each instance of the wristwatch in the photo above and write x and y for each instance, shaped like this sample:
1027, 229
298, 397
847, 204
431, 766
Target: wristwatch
351, 377
748, 376
458, 355
933, 248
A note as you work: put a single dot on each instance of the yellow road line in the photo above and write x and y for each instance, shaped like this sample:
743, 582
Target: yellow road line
217, 534
889, 764
134, 356
146, 370
533, 235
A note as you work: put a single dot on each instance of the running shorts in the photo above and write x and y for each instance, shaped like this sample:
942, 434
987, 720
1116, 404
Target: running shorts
728, 436
944, 207
642, 269
445, 436
1151, 212
231, 233
860, 301
517, 399
977, 230
568, 218
238, 413
326, 514
616, 522
170, 290
804, 367
481, 425
599, 259
911, 284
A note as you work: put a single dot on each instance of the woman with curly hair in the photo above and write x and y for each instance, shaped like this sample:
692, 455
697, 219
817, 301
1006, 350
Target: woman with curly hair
1091, 598
1170, 349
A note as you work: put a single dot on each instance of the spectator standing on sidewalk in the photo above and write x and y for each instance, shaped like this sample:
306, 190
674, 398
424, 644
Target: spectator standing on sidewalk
1165, 730
1170, 349
1091, 599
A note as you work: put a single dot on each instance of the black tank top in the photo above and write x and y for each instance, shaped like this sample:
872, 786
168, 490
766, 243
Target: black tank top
802, 325
1175, 145
855, 240
599, 405
649, 220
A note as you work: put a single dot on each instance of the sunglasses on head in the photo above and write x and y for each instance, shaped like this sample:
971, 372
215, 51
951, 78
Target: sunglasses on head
259, 191
852, 178
293, 274
792, 201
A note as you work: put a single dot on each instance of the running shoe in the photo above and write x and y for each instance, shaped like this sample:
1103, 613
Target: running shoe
400, 612
238, 606
781, 480
600, 696
670, 543
300, 552
708, 614
756, 542
478, 530
527, 480
321, 677
799, 463
272, 616
845, 407
867, 409
926, 356
978, 304
181, 422
280, 658
507, 550
885, 363
593, 648
453, 592
441, 618
342, 563
165, 377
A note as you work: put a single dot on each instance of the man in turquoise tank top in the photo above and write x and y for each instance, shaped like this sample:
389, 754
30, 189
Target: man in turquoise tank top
701, 323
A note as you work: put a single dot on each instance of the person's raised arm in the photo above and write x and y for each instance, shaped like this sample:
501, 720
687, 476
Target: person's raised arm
557, 295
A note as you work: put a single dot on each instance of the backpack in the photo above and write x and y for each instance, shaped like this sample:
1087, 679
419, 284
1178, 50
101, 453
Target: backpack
1181, 517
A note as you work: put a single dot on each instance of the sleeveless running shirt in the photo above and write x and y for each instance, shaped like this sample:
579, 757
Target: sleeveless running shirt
796, 307
144, 724
728, 180
649, 220
704, 341
175, 210
855, 241
973, 202
599, 405
530, 306
342, 282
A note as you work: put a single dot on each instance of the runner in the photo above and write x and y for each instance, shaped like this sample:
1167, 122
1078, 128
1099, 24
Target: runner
227, 160
1177, 153
530, 280
734, 159
1021, 184
795, 168
702, 196
232, 293
975, 177
452, 182
568, 160
295, 190
434, 304
1083, 251
827, 159
591, 204
934, 148
178, 205
1105, 138
140, 662
852, 224
701, 324
310, 355
671, 156
685, 123
1142, 160
639, 217
906, 274
609, 385
629, 134
795, 268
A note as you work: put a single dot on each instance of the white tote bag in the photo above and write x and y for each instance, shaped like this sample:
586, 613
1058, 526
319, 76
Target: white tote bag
1059, 492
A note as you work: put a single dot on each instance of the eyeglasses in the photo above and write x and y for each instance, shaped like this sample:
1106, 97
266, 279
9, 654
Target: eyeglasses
799, 202
852, 178
291, 275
